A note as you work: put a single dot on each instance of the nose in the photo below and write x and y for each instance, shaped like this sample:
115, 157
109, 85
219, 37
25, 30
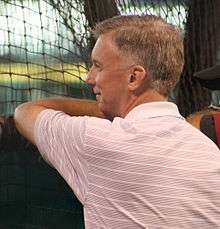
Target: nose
90, 78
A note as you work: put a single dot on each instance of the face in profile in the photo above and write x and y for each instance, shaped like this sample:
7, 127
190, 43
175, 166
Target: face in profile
109, 77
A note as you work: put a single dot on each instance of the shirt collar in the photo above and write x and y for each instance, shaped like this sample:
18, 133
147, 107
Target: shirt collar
154, 109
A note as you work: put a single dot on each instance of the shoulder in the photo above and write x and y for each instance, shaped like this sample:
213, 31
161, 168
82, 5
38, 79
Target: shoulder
61, 121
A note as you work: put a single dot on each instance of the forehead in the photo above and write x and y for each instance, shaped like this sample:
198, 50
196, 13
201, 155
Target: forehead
105, 48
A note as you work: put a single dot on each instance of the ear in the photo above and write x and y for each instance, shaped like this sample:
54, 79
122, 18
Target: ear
137, 77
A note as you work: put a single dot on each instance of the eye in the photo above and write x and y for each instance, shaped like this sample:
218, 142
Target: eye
97, 66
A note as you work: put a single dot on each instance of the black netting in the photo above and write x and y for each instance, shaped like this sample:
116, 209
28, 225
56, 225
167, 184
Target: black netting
45, 45
201, 44
41, 52
32, 194
45, 48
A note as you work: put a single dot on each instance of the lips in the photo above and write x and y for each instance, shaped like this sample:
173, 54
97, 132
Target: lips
98, 97
97, 93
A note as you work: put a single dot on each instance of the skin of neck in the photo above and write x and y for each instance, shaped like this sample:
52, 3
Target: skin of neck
147, 96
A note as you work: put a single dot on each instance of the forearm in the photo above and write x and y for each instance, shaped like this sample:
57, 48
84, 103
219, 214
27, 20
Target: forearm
26, 113
71, 106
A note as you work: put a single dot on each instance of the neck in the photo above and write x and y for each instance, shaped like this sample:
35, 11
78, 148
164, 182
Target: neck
146, 97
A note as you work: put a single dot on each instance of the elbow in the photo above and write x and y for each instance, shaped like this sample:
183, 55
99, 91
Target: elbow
19, 117
19, 114
25, 116
22, 121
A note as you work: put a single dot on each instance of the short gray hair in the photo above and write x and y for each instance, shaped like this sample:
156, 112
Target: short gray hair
155, 44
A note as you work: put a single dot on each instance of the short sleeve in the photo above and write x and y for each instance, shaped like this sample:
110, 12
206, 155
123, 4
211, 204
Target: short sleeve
60, 140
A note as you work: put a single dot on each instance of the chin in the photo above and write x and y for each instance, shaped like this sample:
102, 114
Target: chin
107, 111
108, 114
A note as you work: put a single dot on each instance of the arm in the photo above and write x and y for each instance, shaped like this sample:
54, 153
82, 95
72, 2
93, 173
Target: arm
26, 113
195, 118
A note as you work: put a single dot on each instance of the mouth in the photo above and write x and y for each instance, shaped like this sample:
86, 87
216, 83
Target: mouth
97, 96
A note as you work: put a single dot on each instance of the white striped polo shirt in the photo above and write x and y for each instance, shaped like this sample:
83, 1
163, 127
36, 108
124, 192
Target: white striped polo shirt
149, 170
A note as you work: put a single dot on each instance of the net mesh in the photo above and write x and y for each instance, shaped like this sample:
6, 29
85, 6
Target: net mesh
45, 48
201, 42
45, 45
41, 54
32, 194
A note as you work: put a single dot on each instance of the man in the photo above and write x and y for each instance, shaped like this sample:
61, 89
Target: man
140, 164
208, 119
209, 77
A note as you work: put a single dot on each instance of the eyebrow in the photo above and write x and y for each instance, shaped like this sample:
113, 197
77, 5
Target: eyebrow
96, 61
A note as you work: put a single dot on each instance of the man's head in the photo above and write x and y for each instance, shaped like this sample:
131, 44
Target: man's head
209, 77
132, 55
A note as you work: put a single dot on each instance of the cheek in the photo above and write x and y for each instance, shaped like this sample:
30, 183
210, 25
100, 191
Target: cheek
103, 81
99, 78
111, 86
